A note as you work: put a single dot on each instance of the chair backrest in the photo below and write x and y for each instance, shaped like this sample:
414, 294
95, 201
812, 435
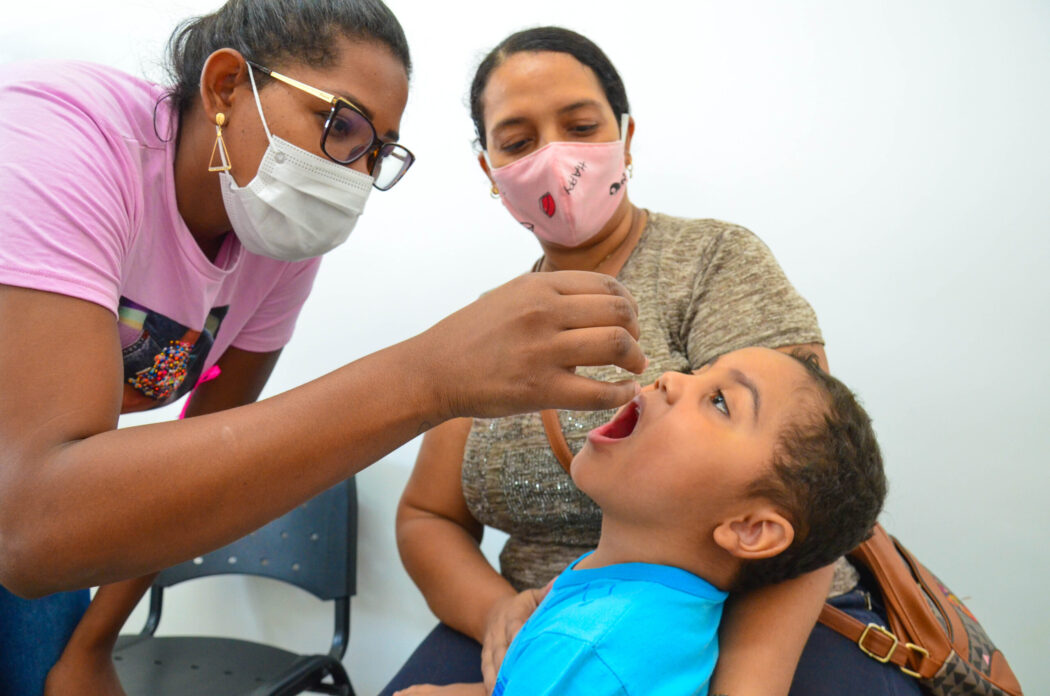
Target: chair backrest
313, 547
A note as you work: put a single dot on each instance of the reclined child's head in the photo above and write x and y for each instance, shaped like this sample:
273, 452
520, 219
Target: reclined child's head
754, 469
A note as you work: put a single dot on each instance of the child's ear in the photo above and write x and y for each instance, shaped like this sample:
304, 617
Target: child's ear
760, 533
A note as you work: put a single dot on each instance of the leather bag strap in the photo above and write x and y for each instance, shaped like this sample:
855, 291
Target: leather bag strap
556, 438
875, 641
910, 616
914, 635
916, 641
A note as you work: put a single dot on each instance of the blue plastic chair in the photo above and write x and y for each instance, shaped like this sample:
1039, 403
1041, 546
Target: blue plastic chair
313, 547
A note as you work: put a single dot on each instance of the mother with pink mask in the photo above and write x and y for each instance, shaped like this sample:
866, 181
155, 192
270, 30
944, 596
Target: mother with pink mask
553, 122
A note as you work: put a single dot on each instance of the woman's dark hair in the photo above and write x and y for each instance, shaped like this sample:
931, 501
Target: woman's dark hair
269, 31
827, 477
554, 39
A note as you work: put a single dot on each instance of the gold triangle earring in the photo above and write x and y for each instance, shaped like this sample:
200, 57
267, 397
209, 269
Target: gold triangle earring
494, 192
219, 147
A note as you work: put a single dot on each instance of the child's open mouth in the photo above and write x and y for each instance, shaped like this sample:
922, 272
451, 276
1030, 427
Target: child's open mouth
622, 424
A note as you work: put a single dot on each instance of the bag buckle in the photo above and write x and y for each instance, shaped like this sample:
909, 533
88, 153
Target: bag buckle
918, 649
879, 629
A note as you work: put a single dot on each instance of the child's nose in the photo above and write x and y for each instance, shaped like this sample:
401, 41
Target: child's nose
670, 383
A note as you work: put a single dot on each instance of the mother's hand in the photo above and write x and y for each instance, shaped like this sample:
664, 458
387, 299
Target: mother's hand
505, 619
517, 347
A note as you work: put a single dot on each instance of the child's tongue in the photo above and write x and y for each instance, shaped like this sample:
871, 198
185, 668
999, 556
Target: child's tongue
622, 425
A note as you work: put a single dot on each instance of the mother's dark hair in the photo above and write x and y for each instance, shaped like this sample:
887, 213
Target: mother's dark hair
554, 39
269, 31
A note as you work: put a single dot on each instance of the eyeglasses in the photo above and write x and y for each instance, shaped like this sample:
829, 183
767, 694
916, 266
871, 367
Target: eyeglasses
349, 135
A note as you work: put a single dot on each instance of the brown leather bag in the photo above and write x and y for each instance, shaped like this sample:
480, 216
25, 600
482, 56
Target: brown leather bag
932, 636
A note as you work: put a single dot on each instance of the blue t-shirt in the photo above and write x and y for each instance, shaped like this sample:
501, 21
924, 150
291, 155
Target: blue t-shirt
631, 628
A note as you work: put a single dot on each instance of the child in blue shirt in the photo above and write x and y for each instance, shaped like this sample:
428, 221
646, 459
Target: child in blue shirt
755, 469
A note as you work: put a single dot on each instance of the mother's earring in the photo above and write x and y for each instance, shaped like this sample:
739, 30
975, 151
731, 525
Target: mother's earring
219, 147
494, 192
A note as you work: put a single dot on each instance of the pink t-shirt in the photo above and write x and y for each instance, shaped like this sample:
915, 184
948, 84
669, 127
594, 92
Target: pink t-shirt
88, 209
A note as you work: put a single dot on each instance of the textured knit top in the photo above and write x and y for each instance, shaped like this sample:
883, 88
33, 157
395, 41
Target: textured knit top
703, 287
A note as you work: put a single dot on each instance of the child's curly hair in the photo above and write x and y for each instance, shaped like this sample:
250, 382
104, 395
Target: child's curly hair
826, 477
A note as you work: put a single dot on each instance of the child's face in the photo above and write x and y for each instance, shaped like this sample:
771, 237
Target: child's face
685, 451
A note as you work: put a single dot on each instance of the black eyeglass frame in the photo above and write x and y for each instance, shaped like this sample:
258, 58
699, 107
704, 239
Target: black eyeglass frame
373, 150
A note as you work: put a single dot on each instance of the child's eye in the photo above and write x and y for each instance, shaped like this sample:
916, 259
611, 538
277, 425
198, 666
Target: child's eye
720, 402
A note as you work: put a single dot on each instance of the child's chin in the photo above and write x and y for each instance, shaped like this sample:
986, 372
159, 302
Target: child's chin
581, 461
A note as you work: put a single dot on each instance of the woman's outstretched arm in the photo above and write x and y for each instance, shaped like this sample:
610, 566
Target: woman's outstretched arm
85, 504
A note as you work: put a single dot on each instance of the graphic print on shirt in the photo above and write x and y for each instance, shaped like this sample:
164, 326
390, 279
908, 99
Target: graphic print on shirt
163, 359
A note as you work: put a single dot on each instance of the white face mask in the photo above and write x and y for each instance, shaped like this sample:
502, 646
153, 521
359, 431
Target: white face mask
298, 205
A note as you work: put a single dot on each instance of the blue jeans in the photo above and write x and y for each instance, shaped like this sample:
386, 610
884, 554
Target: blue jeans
33, 634
831, 665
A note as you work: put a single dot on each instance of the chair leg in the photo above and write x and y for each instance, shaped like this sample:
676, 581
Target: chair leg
340, 680
340, 683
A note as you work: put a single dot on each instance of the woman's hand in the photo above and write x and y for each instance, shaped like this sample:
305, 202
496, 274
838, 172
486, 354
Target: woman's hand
505, 619
516, 348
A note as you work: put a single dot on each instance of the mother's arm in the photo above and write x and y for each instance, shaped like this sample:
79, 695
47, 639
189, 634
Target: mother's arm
439, 543
85, 504
764, 631
439, 539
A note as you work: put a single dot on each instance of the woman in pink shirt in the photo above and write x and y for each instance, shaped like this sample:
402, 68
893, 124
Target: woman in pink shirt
149, 234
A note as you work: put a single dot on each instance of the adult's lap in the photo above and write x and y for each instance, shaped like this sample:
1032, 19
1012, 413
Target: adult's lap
445, 656
831, 665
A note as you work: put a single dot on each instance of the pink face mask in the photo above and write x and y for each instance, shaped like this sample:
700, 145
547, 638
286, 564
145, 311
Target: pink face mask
565, 192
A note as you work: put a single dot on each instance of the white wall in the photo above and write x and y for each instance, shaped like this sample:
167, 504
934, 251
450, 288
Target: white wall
895, 157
